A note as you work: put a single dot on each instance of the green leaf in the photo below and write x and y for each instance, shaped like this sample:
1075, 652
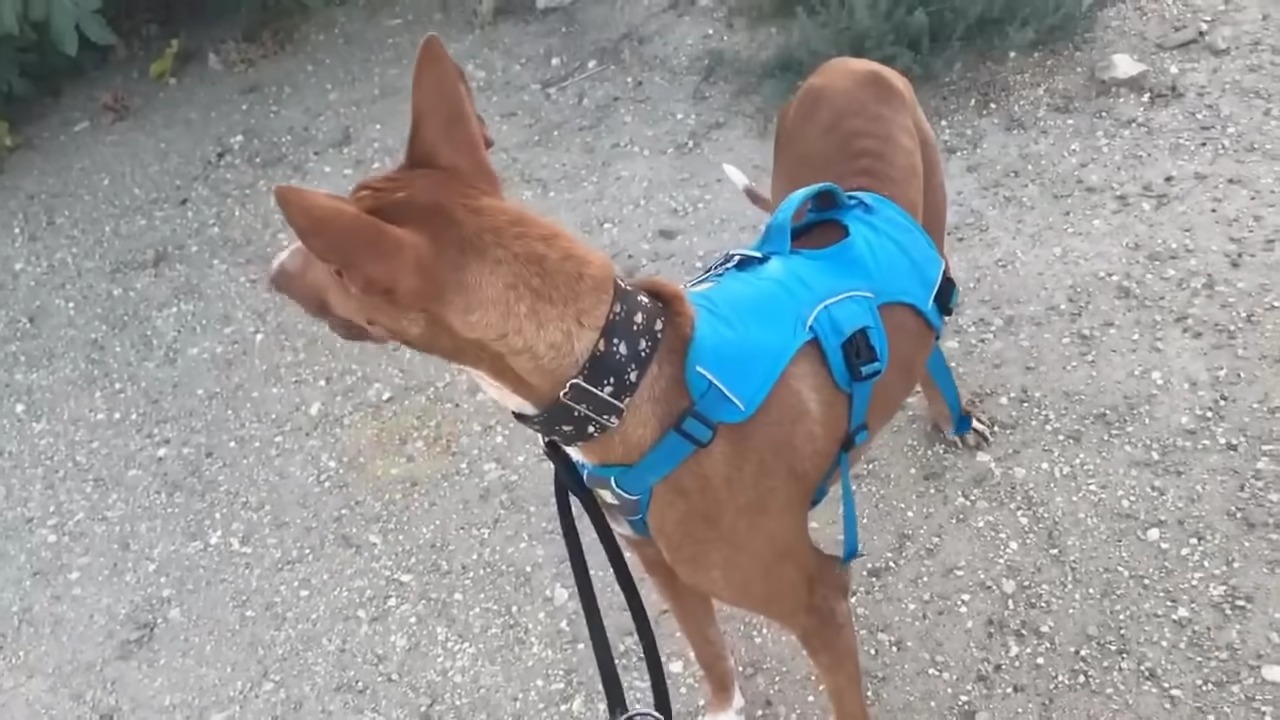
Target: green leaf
10, 17
63, 15
96, 29
37, 11
21, 87
7, 139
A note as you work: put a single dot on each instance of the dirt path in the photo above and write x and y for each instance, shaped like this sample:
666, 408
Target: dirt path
211, 509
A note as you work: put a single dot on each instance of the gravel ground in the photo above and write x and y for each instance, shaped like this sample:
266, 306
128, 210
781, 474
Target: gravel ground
212, 509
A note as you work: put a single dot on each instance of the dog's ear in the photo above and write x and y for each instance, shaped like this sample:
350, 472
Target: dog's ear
445, 132
376, 258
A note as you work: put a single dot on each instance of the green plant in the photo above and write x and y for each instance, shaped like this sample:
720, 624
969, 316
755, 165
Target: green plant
43, 42
917, 37
40, 40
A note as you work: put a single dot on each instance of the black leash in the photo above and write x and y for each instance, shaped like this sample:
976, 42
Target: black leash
569, 481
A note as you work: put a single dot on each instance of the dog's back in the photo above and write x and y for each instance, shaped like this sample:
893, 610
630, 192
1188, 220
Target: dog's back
857, 123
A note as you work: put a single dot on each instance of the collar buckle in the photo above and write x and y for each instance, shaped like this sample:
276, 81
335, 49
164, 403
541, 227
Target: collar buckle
609, 417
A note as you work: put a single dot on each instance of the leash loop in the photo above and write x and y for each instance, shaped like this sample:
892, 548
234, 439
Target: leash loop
569, 481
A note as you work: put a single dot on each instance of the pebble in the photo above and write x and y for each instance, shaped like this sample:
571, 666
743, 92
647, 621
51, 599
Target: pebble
1121, 68
1271, 673
1153, 534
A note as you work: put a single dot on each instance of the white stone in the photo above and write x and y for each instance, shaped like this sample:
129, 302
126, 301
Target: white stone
1121, 68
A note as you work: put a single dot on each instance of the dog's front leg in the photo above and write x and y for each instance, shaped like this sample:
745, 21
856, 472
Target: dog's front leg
826, 632
696, 616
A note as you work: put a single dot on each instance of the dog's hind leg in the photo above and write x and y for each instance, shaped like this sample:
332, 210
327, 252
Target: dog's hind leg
696, 615
934, 220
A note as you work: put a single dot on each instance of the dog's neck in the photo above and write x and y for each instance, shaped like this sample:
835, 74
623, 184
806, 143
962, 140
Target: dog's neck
531, 384
594, 399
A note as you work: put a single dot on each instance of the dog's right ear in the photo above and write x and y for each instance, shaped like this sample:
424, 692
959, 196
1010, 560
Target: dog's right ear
445, 132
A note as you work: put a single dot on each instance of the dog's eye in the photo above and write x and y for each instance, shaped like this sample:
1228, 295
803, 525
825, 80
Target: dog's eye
337, 272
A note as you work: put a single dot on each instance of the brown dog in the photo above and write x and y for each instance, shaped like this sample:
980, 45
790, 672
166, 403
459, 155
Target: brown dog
432, 256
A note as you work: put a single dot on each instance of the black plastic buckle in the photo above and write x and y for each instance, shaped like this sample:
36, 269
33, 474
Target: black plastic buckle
860, 356
945, 298
703, 420
851, 442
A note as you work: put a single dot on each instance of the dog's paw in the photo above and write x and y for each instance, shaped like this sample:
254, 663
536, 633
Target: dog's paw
978, 437
735, 711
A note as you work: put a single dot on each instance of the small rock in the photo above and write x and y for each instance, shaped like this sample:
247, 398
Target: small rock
1121, 69
552, 4
1180, 38
559, 596
982, 715
1271, 673
1153, 534
1007, 586
1218, 41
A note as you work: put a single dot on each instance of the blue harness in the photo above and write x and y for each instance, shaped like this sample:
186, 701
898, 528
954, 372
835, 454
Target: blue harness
753, 311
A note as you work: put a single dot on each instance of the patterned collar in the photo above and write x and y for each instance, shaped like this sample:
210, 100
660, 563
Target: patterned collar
595, 400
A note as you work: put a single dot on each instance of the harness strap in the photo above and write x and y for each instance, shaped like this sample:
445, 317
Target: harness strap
859, 434
568, 480
691, 432
940, 372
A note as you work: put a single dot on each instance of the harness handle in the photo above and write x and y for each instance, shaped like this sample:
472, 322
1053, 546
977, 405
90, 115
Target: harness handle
776, 238
568, 480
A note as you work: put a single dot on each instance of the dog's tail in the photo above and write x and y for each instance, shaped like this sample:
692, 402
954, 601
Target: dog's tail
743, 183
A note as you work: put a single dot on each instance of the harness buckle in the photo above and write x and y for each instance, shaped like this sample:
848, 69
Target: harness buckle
947, 296
856, 437
615, 408
860, 356
689, 436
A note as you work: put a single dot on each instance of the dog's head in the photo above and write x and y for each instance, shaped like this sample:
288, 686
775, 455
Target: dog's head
431, 256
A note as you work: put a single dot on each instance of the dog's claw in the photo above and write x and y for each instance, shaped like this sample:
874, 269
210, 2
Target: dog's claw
978, 437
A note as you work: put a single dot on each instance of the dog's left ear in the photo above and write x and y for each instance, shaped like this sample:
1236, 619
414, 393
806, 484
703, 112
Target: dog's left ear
445, 132
378, 259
